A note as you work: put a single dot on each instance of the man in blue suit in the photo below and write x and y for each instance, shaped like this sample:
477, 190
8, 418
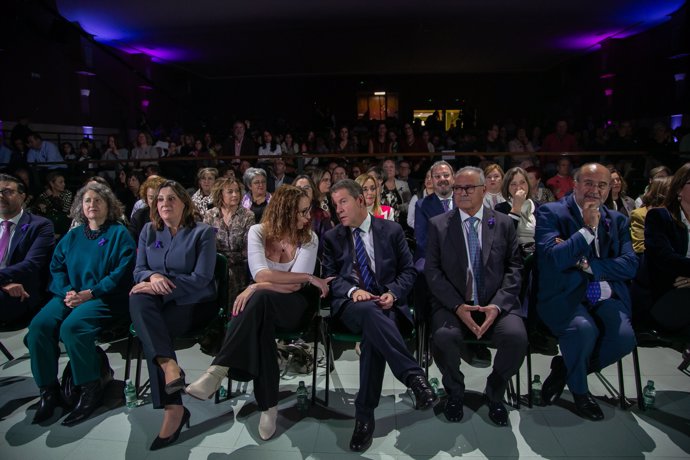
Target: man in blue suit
374, 275
26, 244
585, 257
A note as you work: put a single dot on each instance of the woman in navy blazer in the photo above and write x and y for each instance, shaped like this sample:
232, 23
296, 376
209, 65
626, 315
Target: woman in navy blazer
174, 294
668, 256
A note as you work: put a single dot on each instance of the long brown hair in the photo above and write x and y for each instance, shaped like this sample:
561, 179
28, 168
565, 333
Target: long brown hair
280, 215
672, 201
188, 215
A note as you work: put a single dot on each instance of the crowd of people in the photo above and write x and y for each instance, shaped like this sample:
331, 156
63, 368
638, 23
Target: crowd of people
484, 251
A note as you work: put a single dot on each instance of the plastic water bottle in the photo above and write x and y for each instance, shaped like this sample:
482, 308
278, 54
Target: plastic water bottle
437, 388
302, 398
130, 395
222, 392
649, 395
536, 390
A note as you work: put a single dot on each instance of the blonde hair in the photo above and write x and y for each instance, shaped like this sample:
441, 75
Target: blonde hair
361, 180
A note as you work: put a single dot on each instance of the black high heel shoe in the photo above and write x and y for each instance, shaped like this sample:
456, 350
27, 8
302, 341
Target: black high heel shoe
160, 443
176, 385
553, 386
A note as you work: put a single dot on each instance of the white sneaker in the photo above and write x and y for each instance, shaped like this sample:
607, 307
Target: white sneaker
207, 385
267, 423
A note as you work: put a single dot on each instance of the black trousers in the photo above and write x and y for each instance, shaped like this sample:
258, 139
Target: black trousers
381, 343
157, 324
507, 334
671, 310
249, 348
12, 309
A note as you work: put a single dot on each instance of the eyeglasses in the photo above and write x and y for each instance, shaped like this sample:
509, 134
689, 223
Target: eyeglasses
602, 186
8, 192
468, 189
304, 212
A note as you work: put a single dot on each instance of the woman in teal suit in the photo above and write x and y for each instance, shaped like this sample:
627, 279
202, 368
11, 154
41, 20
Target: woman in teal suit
91, 273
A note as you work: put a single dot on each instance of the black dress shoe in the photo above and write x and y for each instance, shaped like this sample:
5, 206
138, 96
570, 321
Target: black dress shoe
480, 355
361, 437
553, 386
587, 407
453, 409
90, 399
497, 412
176, 385
51, 399
423, 393
160, 443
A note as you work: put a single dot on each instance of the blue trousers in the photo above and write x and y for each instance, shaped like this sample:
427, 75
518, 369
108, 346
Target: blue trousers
381, 343
77, 328
596, 337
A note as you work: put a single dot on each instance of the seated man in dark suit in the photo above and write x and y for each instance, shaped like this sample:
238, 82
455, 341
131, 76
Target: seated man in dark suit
374, 275
585, 257
473, 270
26, 244
278, 177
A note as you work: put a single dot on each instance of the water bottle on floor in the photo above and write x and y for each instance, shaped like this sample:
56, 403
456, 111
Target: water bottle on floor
302, 398
536, 390
437, 388
130, 395
649, 395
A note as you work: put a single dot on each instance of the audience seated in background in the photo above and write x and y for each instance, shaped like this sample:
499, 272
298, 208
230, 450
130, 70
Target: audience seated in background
659, 171
278, 175
26, 244
55, 203
653, 198
494, 183
618, 199
394, 192
142, 216
43, 152
173, 295
372, 199
257, 197
562, 183
91, 272
202, 197
320, 220
282, 257
538, 191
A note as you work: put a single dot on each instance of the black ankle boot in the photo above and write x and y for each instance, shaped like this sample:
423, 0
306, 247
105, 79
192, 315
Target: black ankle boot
51, 399
90, 399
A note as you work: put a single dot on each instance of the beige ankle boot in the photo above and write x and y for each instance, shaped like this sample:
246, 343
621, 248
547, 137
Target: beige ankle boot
206, 385
267, 423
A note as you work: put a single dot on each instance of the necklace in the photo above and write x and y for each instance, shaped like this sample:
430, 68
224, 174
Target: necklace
93, 234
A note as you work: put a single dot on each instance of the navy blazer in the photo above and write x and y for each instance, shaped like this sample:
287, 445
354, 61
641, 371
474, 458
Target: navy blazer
426, 208
395, 271
29, 255
188, 260
666, 248
562, 285
446, 262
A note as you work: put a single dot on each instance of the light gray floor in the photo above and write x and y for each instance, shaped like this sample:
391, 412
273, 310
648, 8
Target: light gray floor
229, 430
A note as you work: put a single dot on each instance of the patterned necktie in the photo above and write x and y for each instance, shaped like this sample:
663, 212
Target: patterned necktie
475, 256
5, 239
593, 293
446, 205
363, 261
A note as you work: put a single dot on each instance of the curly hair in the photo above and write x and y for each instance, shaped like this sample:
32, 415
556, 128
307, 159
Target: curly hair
279, 218
219, 185
151, 182
115, 208
188, 215
363, 179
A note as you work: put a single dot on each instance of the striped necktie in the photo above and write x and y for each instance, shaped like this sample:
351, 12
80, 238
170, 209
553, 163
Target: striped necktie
363, 261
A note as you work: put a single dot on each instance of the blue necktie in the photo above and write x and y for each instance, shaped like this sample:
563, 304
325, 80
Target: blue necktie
446, 206
363, 261
593, 292
475, 256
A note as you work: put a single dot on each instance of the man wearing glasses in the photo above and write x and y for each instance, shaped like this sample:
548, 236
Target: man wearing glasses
26, 243
585, 257
473, 270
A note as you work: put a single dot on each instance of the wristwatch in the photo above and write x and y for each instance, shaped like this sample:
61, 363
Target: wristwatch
583, 263
591, 229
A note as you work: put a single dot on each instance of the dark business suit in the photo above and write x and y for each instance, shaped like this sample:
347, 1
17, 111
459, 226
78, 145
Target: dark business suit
430, 206
382, 341
271, 185
591, 337
446, 271
666, 248
27, 264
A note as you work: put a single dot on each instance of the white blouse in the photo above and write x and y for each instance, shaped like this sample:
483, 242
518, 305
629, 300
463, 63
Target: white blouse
303, 262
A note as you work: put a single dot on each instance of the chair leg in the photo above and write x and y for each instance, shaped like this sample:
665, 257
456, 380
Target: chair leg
517, 390
128, 358
137, 380
621, 385
638, 379
683, 366
328, 365
6, 352
315, 363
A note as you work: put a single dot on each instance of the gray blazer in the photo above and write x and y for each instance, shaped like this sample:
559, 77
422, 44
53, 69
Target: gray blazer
189, 261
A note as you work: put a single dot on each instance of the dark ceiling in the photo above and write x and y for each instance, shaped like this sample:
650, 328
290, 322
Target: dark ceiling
228, 38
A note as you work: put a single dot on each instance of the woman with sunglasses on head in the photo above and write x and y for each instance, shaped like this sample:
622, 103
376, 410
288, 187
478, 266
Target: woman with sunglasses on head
282, 253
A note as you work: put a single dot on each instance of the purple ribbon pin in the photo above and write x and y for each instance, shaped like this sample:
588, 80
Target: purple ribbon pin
102, 241
491, 222
158, 245
25, 227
